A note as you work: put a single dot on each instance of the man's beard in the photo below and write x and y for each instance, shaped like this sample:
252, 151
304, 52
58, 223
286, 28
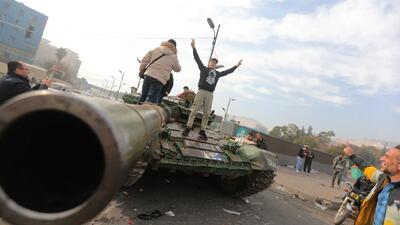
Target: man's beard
386, 171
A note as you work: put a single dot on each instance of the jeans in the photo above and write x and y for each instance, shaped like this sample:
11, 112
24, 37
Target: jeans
151, 90
299, 163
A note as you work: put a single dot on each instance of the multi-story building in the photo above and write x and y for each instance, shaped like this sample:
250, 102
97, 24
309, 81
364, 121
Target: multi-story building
21, 29
46, 54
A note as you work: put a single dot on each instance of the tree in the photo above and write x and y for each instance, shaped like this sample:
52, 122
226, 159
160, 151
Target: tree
309, 131
61, 53
278, 132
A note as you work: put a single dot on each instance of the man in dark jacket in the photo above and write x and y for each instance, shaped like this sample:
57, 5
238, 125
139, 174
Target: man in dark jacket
16, 81
207, 83
308, 158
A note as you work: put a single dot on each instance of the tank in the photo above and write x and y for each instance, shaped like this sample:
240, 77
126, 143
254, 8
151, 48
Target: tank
63, 156
238, 166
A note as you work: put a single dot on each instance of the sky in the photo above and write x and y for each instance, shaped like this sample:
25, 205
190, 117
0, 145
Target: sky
334, 65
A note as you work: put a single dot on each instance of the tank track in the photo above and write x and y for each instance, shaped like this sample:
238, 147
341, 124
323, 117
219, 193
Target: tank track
256, 183
248, 185
135, 173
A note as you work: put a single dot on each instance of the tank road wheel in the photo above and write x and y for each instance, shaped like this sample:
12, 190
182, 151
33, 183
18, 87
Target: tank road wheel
248, 185
135, 173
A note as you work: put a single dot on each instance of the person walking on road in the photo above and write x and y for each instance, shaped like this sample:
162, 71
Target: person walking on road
339, 163
209, 77
382, 205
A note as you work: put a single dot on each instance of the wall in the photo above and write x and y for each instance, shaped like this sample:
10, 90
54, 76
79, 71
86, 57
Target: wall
15, 18
287, 151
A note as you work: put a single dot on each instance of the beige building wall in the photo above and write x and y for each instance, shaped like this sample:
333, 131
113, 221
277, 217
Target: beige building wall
47, 52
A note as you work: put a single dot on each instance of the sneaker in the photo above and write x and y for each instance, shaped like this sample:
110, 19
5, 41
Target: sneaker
203, 135
186, 131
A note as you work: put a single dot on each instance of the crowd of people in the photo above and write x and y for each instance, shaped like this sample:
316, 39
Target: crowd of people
304, 159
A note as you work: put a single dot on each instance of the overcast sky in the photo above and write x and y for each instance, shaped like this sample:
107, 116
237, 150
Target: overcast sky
330, 64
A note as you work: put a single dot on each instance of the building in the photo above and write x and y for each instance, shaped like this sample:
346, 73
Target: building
46, 54
21, 29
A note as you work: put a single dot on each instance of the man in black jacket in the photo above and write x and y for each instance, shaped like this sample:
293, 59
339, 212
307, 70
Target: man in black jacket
16, 81
207, 83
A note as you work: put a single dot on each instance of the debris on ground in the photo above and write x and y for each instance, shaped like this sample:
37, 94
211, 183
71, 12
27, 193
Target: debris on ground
148, 216
140, 190
246, 200
169, 213
281, 188
125, 193
231, 212
167, 181
325, 204
299, 197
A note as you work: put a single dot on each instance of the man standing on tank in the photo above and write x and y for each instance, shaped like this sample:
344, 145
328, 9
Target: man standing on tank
207, 83
162, 61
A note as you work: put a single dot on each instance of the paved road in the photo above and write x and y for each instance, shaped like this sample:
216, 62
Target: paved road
197, 201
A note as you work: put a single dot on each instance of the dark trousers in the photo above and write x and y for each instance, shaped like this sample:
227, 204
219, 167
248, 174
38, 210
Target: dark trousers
338, 174
151, 90
307, 165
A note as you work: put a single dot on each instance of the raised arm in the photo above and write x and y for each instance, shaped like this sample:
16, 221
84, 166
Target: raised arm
196, 56
370, 171
228, 71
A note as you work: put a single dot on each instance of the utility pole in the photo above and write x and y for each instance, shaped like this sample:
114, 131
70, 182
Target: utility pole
112, 85
226, 112
120, 84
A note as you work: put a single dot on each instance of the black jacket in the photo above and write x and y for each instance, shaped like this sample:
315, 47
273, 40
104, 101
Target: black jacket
209, 77
168, 86
12, 85
300, 153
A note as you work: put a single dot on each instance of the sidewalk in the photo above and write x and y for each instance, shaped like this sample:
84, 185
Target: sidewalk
310, 186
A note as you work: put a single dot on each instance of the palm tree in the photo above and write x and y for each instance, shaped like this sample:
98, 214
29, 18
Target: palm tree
61, 53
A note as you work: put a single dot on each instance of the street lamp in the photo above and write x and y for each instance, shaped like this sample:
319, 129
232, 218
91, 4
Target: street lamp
103, 93
112, 86
120, 84
226, 112
211, 24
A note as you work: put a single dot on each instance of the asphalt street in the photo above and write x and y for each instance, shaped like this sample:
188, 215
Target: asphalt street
196, 200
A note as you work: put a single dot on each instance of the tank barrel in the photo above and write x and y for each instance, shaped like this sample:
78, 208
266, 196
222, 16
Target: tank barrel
64, 156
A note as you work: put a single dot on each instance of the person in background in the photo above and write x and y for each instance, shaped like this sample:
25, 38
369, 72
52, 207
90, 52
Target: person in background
308, 158
300, 158
16, 81
339, 163
187, 95
261, 142
250, 137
